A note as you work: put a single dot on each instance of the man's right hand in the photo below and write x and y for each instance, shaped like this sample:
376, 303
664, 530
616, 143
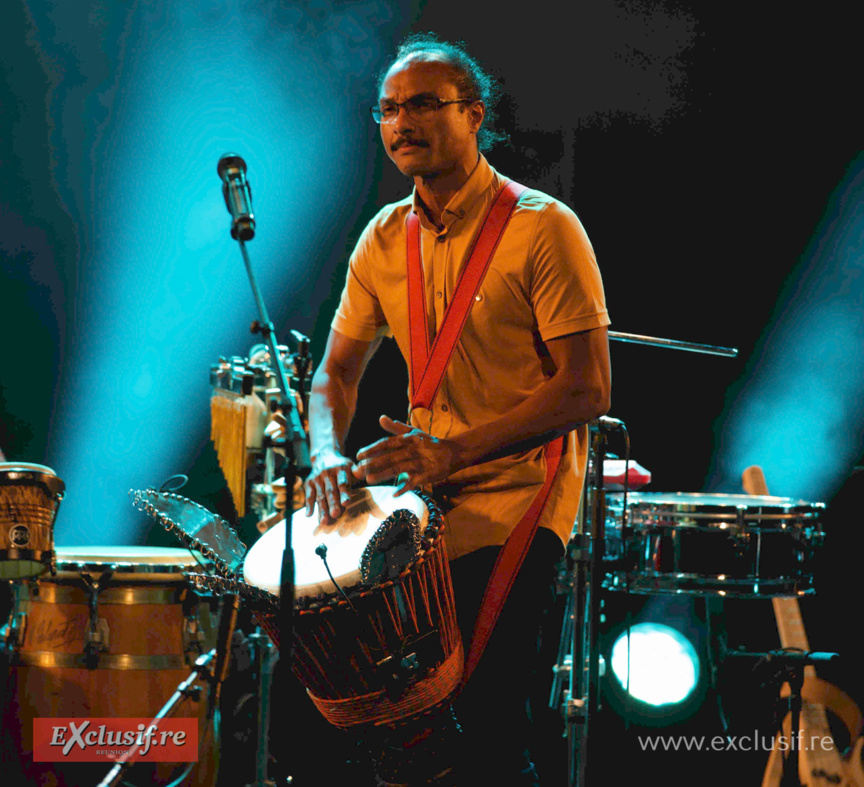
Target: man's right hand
329, 484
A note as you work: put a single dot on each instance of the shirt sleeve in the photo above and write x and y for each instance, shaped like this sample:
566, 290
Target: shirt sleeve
566, 289
359, 315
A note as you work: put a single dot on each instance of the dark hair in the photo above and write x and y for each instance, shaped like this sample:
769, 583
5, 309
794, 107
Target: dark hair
472, 81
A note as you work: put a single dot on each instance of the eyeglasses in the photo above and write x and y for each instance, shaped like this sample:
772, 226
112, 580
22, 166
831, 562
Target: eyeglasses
415, 107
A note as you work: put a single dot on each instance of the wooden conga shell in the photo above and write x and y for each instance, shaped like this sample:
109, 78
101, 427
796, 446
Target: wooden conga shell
145, 607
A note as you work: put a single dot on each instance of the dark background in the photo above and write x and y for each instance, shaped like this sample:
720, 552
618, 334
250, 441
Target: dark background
700, 145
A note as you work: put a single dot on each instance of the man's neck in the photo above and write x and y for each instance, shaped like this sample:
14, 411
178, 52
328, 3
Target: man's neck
437, 190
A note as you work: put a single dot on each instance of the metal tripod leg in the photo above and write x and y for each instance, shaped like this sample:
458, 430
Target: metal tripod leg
581, 622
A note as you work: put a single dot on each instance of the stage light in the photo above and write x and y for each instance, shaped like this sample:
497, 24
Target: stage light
656, 664
797, 410
161, 290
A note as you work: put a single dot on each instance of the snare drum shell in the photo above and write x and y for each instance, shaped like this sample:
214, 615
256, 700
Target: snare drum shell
743, 546
145, 605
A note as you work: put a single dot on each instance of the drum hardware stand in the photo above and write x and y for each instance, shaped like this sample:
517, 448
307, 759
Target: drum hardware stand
582, 622
266, 656
265, 501
790, 669
674, 344
11, 634
193, 635
186, 689
580, 701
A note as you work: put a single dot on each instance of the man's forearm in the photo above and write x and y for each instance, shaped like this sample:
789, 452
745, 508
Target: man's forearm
331, 410
554, 410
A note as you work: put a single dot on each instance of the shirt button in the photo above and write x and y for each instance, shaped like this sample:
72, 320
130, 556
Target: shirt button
444, 407
442, 238
439, 294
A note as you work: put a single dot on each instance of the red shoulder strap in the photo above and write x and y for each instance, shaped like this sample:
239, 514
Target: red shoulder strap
509, 561
427, 369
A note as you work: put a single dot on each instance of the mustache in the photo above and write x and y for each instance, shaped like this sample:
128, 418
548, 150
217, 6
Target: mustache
402, 141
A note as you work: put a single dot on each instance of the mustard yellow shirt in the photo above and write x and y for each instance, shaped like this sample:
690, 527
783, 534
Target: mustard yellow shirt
543, 283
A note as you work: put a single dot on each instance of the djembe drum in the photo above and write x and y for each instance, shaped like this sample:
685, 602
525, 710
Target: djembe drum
376, 643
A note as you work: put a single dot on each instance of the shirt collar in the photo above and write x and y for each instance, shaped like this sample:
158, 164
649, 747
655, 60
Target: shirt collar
480, 179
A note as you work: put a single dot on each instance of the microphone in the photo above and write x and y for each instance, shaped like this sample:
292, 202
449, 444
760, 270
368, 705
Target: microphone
238, 196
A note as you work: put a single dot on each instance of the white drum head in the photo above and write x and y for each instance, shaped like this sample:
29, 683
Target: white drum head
345, 539
129, 559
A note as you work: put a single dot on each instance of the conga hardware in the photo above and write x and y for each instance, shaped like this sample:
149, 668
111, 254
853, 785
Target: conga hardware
102, 585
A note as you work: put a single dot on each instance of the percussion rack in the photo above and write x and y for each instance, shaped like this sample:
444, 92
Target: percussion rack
579, 650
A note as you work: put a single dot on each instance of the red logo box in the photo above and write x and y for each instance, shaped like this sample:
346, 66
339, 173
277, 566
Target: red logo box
107, 740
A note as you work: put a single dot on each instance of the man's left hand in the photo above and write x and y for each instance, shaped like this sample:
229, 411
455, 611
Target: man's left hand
417, 458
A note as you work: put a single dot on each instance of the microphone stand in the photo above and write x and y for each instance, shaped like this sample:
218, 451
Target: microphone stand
296, 454
186, 689
238, 200
790, 669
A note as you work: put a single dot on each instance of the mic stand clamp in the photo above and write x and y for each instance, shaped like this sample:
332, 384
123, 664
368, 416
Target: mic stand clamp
186, 689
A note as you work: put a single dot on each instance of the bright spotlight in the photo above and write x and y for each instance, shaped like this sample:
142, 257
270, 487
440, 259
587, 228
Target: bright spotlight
662, 668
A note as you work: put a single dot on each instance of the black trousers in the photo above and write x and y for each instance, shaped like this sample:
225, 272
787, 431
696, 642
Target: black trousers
493, 707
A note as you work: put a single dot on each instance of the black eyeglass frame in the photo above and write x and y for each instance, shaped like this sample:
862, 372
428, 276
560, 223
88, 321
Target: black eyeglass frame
406, 105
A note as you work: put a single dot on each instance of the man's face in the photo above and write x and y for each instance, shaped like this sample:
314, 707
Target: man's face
440, 141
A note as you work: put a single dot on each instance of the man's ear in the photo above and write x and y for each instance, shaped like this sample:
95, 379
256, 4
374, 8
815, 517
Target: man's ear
477, 111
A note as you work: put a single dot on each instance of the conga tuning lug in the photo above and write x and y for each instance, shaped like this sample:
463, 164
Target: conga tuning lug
97, 640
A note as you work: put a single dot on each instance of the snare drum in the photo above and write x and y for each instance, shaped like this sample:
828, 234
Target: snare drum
29, 498
390, 648
112, 634
742, 546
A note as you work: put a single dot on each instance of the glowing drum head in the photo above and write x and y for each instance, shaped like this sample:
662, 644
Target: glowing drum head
347, 541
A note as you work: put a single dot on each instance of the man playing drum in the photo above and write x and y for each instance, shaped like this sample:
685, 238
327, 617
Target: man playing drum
531, 364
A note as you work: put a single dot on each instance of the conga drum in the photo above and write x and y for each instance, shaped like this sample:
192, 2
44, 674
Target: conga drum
110, 635
376, 642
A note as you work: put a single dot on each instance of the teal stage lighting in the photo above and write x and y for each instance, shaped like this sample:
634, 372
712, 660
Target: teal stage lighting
798, 409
